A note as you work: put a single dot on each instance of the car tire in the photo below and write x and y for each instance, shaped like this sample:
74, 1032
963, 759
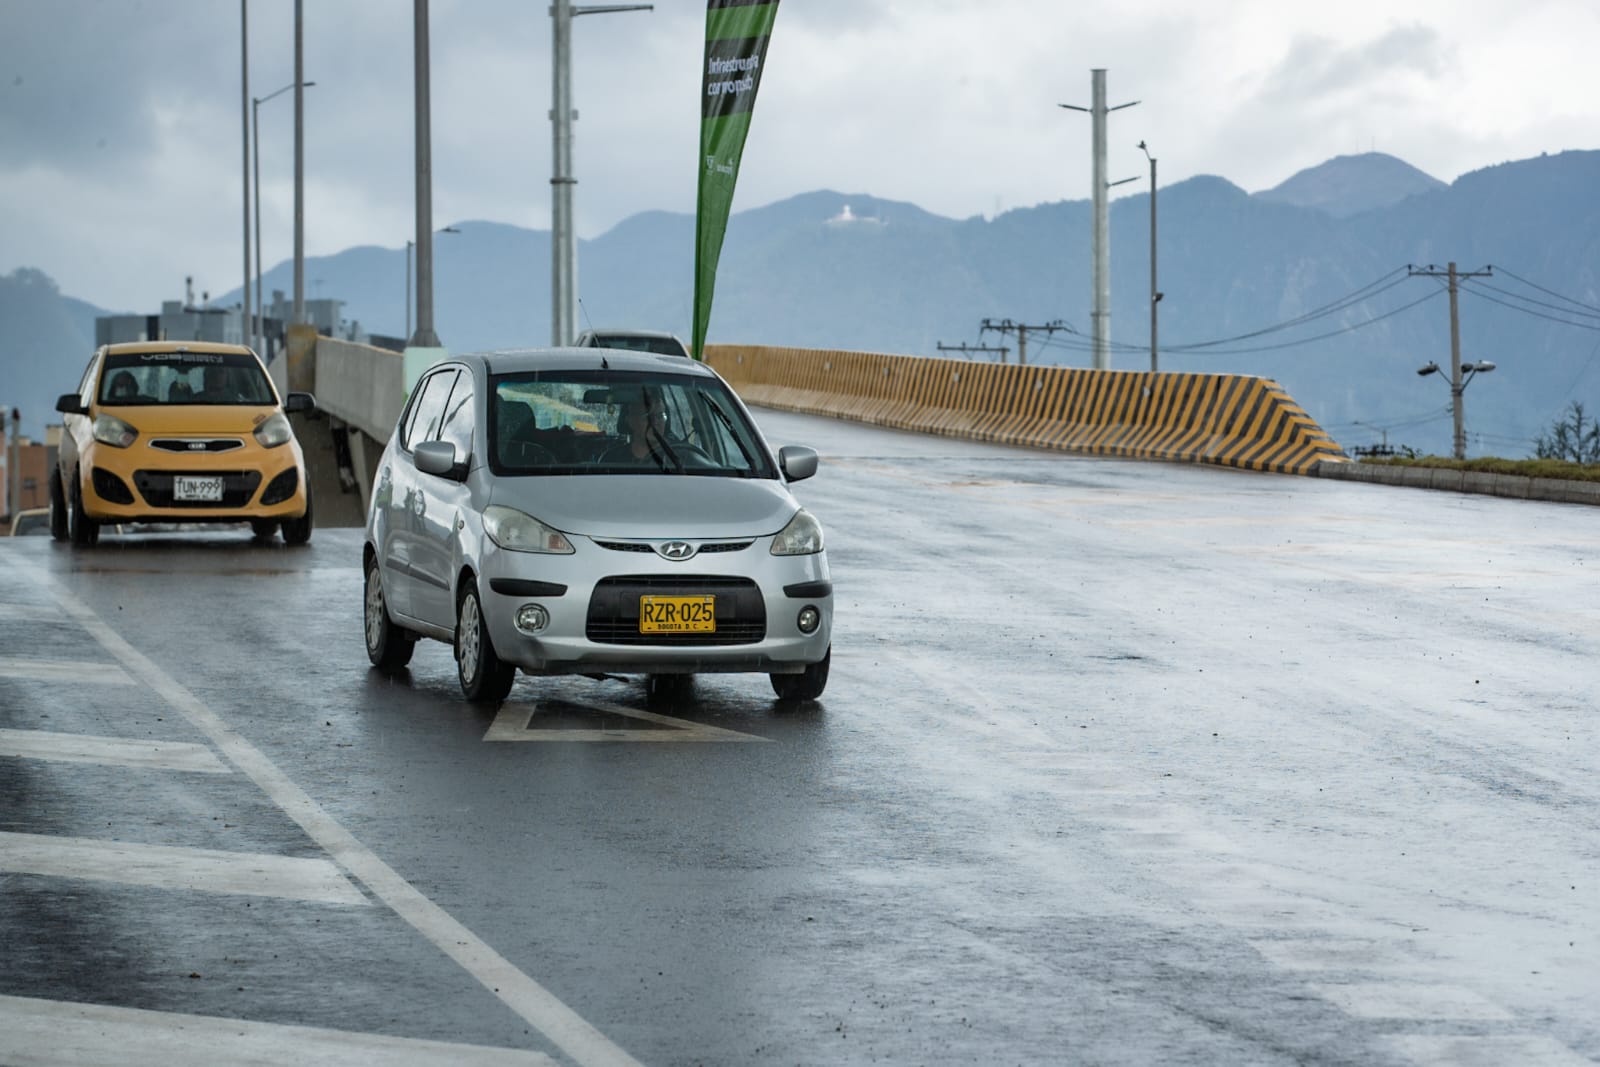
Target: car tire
58, 506
808, 685
298, 531
388, 646
81, 530
263, 529
485, 677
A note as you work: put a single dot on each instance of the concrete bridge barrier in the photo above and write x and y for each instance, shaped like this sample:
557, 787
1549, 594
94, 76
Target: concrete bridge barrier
1230, 420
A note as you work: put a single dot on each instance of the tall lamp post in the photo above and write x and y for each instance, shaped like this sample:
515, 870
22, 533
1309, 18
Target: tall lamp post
409, 246
1155, 294
563, 241
259, 334
1458, 385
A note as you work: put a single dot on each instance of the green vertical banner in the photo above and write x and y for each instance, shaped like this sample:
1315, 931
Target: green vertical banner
737, 32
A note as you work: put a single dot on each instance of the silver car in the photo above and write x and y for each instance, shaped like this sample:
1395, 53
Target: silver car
584, 511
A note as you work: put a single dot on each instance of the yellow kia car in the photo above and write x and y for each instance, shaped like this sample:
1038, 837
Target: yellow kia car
179, 431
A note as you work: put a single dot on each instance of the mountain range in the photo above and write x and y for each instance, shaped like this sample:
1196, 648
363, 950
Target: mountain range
1331, 283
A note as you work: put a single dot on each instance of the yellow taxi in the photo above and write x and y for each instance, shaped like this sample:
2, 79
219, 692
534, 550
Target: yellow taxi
179, 431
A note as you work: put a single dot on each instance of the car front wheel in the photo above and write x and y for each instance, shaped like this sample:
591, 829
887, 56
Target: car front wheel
298, 531
58, 507
388, 646
485, 677
82, 530
808, 685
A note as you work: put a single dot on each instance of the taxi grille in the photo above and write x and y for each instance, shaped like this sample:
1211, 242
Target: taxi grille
238, 487
196, 444
613, 619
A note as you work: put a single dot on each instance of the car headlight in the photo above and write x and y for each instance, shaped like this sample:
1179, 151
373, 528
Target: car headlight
274, 430
516, 532
110, 430
802, 537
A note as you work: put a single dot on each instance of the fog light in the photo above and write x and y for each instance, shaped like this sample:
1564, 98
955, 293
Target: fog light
809, 619
531, 618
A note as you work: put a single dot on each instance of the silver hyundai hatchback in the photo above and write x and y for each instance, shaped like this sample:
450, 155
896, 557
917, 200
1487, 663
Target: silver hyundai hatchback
585, 511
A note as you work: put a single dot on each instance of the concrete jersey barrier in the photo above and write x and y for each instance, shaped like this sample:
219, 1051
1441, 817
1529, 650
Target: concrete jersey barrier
1230, 420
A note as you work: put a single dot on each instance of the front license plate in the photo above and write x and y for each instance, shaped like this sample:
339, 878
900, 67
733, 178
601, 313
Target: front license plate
677, 614
190, 487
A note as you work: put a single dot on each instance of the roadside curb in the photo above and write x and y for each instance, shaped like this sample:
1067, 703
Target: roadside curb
1515, 486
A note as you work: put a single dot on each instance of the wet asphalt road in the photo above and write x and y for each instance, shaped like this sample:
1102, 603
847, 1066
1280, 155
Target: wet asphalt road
1119, 763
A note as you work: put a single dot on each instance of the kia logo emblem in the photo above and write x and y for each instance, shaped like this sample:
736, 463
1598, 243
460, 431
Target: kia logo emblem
676, 550
197, 446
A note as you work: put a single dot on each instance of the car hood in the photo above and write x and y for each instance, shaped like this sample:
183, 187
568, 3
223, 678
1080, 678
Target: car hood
191, 419
652, 506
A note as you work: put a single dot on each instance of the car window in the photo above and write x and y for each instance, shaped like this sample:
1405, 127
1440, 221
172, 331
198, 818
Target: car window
428, 411
460, 417
161, 378
604, 422
665, 346
85, 384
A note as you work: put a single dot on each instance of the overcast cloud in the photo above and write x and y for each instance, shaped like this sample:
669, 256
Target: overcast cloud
120, 150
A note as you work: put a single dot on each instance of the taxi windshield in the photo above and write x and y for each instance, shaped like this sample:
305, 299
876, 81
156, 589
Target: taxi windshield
160, 378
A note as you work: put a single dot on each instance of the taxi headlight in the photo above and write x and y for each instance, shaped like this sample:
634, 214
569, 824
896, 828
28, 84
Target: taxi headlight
802, 537
110, 430
516, 532
274, 430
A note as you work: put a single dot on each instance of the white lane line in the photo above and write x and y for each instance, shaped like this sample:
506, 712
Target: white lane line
531, 1001
1333, 954
514, 722
1399, 1000
48, 1033
55, 670
171, 867
33, 611
1463, 1051
113, 751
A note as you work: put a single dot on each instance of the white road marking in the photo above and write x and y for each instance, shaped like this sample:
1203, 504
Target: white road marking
171, 867
531, 1001
1398, 1000
46, 1033
113, 751
55, 670
33, 611
514, 722
1333, 954
1454, 1050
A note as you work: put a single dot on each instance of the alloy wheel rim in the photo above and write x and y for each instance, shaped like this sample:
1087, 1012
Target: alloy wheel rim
374, 610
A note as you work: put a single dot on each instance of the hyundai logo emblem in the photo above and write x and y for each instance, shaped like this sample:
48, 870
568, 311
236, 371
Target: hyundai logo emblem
676, 550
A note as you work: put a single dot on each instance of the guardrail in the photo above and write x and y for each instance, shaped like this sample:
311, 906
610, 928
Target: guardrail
1230, 420
360, 385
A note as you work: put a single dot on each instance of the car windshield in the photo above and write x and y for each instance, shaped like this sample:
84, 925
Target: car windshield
146, 378
633, 342
619, 422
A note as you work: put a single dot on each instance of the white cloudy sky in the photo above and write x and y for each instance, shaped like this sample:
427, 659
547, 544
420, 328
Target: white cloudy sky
120, 150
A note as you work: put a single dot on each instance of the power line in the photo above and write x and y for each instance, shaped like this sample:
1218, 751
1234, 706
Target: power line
1548, 292
966, 349
1534, 314
1340, 304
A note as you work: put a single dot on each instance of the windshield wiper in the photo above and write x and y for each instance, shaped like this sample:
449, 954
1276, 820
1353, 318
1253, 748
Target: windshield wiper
722, 416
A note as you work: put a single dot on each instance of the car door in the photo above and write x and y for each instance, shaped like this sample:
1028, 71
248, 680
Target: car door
437, 551
405, 504
76, 429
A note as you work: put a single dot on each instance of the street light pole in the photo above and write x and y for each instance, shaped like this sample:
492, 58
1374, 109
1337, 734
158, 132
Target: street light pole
244, 162
1457, 385
424, 337
1100, 309
299, 170
1155, 294
259, 335
563, 240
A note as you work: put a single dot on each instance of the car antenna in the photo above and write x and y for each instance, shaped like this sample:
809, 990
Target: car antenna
604, 365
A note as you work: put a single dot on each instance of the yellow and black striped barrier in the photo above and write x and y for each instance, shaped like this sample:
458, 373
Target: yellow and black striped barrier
1232, 420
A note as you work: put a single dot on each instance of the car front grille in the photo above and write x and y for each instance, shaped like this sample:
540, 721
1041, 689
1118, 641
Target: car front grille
613, 619
642, 546
196, 444
238, 487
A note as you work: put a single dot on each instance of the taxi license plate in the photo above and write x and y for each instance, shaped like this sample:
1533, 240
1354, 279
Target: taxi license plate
189, 487
677, 614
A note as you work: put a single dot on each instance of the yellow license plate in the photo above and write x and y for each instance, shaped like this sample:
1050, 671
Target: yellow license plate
677, 614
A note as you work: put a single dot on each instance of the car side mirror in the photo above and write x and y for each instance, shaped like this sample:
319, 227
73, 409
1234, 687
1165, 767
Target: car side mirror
797, 462
300, 402
71, 404
439, 457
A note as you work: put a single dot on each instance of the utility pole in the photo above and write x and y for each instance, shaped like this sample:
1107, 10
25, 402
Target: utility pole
966, 349
424, 336
1457, 386
563, 239
1155, 294
299, 314
1100, 312
1005, 326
